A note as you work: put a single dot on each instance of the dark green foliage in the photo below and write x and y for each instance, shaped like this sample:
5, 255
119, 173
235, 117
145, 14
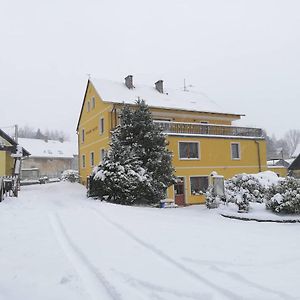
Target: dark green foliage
138, 167
284, 197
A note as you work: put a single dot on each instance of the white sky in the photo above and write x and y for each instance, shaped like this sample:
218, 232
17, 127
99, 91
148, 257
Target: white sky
244, 54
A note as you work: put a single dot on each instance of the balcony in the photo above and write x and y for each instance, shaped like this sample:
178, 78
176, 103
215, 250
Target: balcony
199, 129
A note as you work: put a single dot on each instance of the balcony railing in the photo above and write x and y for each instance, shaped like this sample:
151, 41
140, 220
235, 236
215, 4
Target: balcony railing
208, 129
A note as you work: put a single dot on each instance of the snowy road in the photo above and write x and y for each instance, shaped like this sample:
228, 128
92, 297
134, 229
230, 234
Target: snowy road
56, 244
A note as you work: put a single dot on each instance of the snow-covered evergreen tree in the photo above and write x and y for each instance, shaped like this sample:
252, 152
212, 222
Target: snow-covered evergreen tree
138, 166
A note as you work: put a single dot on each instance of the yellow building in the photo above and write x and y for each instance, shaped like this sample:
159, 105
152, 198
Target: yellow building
200, 135
7, 147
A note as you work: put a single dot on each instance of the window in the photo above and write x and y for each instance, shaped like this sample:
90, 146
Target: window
82, 136
88, 106
235, 151
199, 185
93, 102
92, 159
101, 126
102, 154
189, 150
83, 161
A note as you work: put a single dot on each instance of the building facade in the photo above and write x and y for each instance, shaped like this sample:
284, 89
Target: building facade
48, 158
200, 135
8, 147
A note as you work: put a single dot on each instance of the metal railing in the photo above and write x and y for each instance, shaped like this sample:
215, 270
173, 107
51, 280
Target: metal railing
208, 129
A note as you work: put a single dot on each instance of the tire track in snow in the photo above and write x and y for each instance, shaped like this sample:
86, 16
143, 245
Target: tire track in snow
165, 257
243, 280
97, 285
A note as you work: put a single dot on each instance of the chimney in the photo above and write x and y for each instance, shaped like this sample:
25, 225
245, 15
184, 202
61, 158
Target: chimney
129, 82
159, 85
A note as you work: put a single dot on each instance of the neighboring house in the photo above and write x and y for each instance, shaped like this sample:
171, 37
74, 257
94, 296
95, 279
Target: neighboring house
200, 134
8, 147
279, 166
48, 158
294, 168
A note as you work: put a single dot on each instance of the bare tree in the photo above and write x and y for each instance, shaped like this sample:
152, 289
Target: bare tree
292, 139
29, 132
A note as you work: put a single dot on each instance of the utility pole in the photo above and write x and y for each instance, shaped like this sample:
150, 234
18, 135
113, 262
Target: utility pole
16, 133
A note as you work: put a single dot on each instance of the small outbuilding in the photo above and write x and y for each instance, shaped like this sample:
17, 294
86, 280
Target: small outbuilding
48, 158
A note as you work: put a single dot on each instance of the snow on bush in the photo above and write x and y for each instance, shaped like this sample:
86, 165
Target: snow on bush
243, 189
284, 197
212, 200
138, 167
70, 175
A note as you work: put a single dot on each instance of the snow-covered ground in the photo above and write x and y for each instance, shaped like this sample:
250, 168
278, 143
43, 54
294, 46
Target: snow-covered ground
56, 244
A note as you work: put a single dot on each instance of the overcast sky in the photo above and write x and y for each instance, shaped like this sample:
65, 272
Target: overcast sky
245, 55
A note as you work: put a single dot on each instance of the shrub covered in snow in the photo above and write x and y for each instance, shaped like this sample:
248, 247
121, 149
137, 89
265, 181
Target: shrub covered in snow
70, 175
212, 200
245, 186
243, 189
284, 197
137, 168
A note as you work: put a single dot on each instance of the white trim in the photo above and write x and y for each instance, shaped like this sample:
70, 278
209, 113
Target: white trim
219, 167
239, 150
93, 102
215, 136
101, 128
92, 165
83, 160
204, 124
190, 191
82, 135
102, 156
185, 158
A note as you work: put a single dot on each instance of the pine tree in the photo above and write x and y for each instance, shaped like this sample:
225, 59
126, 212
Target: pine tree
138, 168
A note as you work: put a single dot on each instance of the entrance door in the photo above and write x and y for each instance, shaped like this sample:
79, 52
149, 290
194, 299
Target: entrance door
179, 191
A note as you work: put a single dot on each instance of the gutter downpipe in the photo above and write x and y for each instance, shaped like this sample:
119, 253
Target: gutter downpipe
258, 154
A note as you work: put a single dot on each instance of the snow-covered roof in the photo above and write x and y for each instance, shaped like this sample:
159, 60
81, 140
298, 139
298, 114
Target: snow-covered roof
117, 92
50, 148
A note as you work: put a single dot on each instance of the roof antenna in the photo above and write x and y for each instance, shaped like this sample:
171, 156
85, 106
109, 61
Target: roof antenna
88, 75
185, 87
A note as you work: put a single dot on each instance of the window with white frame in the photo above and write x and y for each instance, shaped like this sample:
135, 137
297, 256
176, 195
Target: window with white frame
93, 102
82, 135
92, 159
83, 161
189, 150
235, 151
199, 185
101, 125
102, 154
88, 106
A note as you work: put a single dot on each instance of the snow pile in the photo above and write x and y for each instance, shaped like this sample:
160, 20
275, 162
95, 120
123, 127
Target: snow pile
267, 178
